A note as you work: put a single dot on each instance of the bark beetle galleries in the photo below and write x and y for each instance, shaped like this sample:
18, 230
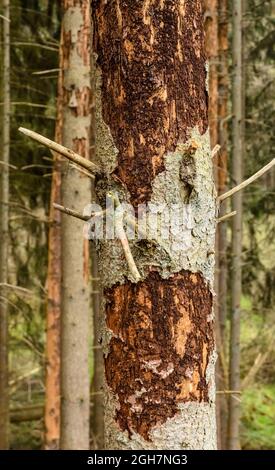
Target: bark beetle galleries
153, 81
160, 349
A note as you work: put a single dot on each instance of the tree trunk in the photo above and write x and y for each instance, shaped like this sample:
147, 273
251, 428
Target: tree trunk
212, 50
52, 381
237, 154
76, 194
97, 424
98, 383
4, 233
152, 123
223, 83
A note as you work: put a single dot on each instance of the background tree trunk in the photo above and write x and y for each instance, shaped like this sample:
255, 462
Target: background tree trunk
237, 154
152, 119
212, 50
76, 194
223, 115
52, 380
4, 233
98, 378
97, 424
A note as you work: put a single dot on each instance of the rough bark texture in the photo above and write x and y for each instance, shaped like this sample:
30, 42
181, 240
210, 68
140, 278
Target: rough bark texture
76, 193
154, 144
160, 43
212, 50
162, 336
52, 379
237, 154
4, 234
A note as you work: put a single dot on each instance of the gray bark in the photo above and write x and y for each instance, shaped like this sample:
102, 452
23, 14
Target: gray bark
76, 194
237, 155
4, 233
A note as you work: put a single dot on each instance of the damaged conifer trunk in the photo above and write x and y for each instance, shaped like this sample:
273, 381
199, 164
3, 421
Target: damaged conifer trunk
153, 143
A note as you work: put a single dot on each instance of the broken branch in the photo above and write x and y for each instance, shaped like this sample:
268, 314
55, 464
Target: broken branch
71, 212
215, 150
226, 216
126, 248
16, 288
81, 170
247, 182
120, 232
68, 153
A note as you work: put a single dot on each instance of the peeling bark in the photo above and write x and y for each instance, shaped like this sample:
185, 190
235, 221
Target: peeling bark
154, 144
150, 45
161, 345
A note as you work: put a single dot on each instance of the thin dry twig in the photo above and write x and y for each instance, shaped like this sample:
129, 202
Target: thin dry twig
226, 217
120, 232
81, 170
16, 288
5, 18
71, 212
215, 150
245, 183
69, 154
13, 167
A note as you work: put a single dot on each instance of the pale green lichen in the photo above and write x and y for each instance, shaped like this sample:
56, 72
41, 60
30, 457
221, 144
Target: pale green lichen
168, 188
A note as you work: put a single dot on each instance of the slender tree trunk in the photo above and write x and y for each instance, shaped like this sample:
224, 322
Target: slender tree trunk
223, 86
212, 50
152, 123
52, 383
223, 83
234, 405
98, 379
76, 193
97, 424
4, 233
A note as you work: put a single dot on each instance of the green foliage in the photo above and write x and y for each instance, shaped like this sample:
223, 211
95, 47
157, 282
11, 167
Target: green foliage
258, 424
